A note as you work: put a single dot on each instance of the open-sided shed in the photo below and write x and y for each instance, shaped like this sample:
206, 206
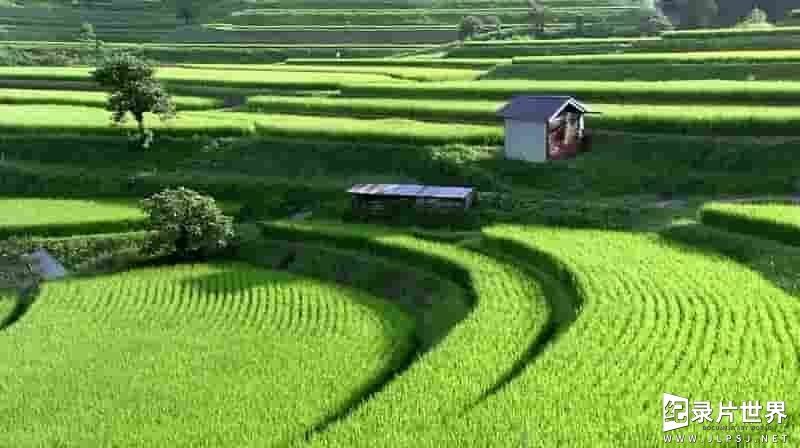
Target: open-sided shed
541, 128
381, 197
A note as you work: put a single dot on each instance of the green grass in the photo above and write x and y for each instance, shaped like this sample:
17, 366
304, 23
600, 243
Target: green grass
780, 222
91, 99
478, 353
183, 355
409, 73
683, 92
61, 217
655, 318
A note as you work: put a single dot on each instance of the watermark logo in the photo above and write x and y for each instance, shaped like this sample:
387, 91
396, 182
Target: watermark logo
736, 420
676, 412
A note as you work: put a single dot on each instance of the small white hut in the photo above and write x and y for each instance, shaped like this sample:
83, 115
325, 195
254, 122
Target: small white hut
541, 128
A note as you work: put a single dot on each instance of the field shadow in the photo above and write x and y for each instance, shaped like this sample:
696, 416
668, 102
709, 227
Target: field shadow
27, 296
560, 290
777, 263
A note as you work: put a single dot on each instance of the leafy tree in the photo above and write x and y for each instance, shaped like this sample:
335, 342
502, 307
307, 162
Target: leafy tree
470, 26
186, 224
579, 24
134, 90
757, 17
87, 33
88, 36
537, 13
492, 23
701, 13
654, 22
185, 11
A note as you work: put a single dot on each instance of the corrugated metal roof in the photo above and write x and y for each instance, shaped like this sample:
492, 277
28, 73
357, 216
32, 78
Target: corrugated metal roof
537, 108
411, 191
446, 192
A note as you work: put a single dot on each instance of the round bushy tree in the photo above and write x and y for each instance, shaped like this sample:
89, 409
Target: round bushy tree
470, 26
134, 90
537, 14
756, 17
492, 23
654, 22
186, 223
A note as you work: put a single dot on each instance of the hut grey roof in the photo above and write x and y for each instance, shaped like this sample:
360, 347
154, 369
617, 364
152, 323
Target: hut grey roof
424, 191
538, 108
46, 265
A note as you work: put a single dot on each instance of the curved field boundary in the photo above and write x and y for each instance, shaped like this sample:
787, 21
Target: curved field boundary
776, 262
776, 221
560, 290
437, 303
477, 355
9, 302
225, 354
655, 319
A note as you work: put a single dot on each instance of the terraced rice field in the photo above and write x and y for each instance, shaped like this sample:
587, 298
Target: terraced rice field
675, 92
663, 118
33, 119
478, 355
405, 73
654, 318
229, 355
227, 78
55, 217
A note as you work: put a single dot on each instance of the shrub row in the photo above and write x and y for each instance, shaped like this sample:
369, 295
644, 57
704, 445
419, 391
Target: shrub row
77, 251
725, 32
597, 46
